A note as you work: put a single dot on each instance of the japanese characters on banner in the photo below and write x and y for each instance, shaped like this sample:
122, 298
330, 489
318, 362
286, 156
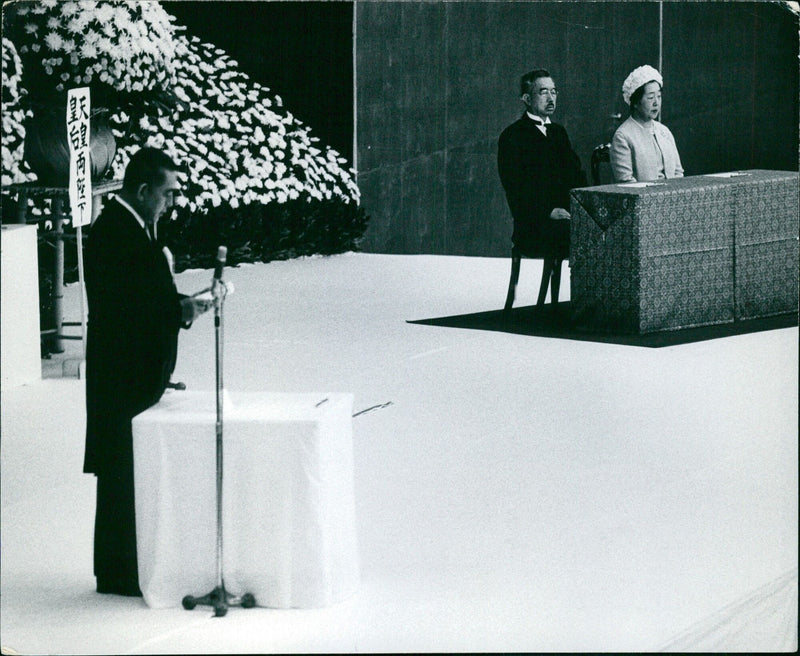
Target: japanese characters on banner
80, 169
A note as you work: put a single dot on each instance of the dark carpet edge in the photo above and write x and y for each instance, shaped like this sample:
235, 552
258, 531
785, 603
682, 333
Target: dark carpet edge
554, 322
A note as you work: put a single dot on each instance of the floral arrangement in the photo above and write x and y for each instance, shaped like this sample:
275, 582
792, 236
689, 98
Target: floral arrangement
240, 146
256, 179
122, 50
13, 118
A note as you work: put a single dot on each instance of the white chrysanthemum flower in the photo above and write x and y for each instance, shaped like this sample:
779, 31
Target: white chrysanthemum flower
69, 8
104, 13
122, 18
105, 44
88, 51
53, 41
75, 26
275, 141
155, 141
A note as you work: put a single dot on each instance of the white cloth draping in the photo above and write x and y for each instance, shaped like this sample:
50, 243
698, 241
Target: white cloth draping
288, 506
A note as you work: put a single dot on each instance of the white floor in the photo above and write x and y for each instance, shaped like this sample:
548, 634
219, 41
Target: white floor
513, 494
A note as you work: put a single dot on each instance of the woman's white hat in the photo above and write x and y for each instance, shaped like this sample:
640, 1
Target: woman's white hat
639, 77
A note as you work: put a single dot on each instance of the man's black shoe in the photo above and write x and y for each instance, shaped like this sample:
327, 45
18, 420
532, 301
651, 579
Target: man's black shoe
119, 588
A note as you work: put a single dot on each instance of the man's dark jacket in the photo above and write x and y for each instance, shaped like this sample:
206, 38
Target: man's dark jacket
537, 172
134, 319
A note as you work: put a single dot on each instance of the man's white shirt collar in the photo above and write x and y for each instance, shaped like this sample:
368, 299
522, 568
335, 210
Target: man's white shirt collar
140, 221
540, 123
136, 216
538, 119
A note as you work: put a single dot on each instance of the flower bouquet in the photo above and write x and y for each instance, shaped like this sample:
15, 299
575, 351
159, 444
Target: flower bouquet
253, 174
13, 118
123, 51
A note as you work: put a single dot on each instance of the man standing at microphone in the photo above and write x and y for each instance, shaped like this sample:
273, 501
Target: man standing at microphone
135, 314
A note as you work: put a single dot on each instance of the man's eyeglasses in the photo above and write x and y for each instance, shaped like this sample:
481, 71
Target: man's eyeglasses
547, 92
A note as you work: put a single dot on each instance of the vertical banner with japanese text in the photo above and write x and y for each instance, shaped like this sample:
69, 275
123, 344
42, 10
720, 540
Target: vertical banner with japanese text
80, 169
80, 179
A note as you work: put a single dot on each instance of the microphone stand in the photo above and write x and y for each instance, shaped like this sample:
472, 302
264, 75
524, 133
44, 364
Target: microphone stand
219, 597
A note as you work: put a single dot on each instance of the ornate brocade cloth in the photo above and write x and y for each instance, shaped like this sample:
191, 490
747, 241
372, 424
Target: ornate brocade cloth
685, 252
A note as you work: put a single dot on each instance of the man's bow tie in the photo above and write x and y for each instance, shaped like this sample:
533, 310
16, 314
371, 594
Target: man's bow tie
541, 124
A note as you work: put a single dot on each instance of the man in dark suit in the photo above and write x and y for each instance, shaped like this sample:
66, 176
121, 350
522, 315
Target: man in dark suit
135, 314
537, 168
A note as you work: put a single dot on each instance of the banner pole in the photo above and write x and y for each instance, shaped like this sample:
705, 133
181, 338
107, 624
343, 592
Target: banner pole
81, 284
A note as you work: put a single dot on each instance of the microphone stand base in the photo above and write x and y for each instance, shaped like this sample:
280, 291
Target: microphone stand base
220, 599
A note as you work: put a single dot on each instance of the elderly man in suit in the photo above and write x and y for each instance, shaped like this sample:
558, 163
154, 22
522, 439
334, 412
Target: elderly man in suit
135, 314
537, 168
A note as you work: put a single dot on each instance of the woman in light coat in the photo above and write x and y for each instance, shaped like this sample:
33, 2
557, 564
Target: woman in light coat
642, 148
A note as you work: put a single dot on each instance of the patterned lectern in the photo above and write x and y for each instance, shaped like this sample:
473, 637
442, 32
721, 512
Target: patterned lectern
685, 252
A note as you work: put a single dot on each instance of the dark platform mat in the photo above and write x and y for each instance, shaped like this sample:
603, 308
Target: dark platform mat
554, 322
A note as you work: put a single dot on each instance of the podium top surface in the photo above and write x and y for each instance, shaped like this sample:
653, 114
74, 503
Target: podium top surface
707, 180
201, 406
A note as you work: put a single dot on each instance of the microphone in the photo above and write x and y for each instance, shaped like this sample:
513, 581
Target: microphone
217, 286
222, 255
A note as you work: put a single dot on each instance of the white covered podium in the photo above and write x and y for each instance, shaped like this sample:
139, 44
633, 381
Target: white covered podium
288, 512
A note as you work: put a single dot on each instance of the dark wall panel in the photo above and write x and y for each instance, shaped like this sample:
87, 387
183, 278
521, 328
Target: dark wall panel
733, 94
401, 123
438, 81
